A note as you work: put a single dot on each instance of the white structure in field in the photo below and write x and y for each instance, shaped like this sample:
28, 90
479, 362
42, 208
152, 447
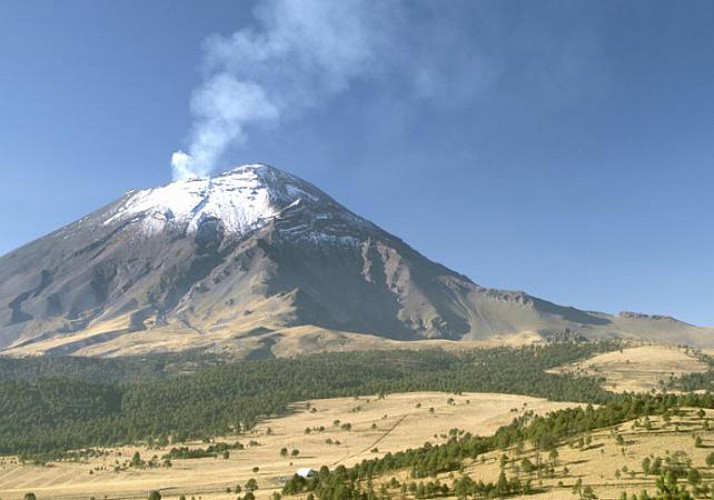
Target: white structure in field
306, 472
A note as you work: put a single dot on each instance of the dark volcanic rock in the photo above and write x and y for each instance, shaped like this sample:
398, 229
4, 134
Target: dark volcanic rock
255, 242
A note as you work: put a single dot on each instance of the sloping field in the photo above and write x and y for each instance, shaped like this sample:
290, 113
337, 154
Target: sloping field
609, 461
637, 369
376, 426
251, 340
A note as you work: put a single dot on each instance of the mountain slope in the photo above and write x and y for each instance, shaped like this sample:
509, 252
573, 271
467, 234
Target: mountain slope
238, 261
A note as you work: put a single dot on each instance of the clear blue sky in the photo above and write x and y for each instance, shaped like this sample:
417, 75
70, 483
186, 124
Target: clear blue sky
562, 148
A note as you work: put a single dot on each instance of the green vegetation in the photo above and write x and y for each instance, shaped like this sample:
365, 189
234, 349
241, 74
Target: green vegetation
696, 381
42, 416
669, 471
542, 432
107, 370
691, 382
213, 450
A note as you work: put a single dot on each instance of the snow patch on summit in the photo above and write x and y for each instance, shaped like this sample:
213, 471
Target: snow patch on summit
240, 198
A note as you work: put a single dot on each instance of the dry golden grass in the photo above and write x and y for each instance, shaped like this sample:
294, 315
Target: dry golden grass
400, 421
637, 369
601, 462
286, 342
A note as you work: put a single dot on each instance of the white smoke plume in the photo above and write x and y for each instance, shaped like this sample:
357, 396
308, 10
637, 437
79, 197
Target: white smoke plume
304, 52
300, 54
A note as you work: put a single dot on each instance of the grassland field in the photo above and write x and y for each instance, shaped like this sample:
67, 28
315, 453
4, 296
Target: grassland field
318, 430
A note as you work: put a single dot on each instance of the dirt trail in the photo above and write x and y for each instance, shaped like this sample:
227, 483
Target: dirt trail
373, 445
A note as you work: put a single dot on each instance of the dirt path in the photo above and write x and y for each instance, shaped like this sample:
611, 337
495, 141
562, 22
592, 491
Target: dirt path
210, 477
373, 445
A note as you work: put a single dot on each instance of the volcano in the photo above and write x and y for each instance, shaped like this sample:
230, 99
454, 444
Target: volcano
259, 261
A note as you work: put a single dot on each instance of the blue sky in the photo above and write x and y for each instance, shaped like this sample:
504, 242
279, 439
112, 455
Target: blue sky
562, 148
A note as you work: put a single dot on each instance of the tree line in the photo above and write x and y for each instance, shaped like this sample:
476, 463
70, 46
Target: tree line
46, 415
542, 432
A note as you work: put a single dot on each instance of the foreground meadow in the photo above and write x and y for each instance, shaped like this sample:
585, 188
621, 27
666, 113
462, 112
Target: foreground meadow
319, 432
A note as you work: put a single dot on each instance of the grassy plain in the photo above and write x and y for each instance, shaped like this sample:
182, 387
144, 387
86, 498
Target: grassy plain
611, 463
637, 369
398, 422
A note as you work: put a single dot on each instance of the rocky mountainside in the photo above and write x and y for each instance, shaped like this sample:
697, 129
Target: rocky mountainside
253, 259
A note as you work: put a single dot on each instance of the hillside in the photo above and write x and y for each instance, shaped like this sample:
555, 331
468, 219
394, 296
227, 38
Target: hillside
259, 262
72, 426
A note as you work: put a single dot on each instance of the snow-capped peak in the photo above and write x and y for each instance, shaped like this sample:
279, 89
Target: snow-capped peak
243, 198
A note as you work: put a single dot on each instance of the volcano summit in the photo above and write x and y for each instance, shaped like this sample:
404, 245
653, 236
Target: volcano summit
259, 261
